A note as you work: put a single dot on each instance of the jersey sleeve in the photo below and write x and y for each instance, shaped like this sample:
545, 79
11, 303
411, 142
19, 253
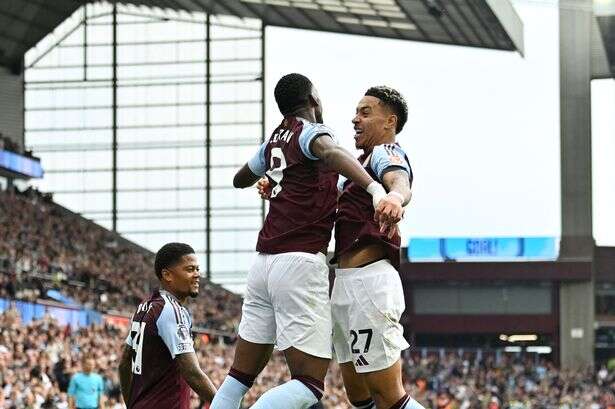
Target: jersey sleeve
388, 157
310, 132
175, 333
258, 163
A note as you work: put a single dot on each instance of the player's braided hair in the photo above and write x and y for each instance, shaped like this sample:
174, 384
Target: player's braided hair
170, 254
392, 99
291, 92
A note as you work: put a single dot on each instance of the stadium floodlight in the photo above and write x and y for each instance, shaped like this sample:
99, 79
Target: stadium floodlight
374, 23
336, 9
402, 25
306, 5
368, 12
284, 3
386, 7
357, 4
391, 14
348, 20
330, 3
382, 2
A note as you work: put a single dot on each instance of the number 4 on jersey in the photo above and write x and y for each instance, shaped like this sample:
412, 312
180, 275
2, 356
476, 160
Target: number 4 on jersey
136, 332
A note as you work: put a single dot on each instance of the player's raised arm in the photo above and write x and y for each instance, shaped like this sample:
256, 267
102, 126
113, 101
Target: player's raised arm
190, 370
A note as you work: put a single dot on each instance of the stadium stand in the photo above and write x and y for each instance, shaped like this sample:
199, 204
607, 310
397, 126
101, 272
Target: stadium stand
37, 360
46, 247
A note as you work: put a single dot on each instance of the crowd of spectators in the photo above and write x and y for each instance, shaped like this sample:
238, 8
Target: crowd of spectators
45, 247
38, 359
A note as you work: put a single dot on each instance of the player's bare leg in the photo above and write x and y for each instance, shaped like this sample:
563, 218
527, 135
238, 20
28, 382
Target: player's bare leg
382, 389
250, 359
356, 389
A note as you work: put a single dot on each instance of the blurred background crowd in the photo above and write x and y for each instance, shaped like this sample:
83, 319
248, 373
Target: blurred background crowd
49, 253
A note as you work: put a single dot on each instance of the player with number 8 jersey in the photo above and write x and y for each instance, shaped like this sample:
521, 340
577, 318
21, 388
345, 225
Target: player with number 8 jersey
286, 303
304, 192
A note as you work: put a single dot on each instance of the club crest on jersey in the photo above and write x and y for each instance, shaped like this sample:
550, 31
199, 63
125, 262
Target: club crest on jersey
395, 160
182, 332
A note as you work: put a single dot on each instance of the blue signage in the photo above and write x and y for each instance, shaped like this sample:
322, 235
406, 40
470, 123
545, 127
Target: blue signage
483, 249
23, 165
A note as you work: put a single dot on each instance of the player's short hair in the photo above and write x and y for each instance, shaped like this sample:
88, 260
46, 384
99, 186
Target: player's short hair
291, 92
170, 254
394, 101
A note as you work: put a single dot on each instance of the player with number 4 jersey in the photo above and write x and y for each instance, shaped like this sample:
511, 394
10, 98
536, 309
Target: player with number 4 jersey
159, 366
286, 303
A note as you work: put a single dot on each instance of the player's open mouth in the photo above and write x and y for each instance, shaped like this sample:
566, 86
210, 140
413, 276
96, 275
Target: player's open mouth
357, 132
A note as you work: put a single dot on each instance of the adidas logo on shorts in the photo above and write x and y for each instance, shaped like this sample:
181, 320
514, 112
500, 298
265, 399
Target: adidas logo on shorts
361, 361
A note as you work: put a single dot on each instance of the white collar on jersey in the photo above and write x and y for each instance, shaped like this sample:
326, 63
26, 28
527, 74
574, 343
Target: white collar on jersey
168, 294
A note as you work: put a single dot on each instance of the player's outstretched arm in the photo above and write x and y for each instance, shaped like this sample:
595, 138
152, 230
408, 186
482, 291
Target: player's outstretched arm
125, 372
190, 370
340, 160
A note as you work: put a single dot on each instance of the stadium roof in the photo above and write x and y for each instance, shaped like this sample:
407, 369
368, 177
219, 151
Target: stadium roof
476, 23
603, 40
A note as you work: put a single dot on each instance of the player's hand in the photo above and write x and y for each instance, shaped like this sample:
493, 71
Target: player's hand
389, 211
390, 230
264, 188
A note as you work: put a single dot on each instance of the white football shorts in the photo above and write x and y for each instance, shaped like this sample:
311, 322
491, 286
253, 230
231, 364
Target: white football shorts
366, 305
287, 303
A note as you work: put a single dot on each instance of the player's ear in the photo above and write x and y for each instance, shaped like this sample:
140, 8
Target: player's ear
391, 122
166, 274
313, 101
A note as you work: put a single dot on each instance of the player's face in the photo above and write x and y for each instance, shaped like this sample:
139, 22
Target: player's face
371, 123
184, 277
318, 108
88, 365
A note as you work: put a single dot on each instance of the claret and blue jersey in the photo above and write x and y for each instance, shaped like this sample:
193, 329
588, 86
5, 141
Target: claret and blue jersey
304, 193
354, 223
161, 329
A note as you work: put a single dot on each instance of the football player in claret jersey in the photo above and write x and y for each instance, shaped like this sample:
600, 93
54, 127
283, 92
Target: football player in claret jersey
367, 299
158, 365
286, 303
